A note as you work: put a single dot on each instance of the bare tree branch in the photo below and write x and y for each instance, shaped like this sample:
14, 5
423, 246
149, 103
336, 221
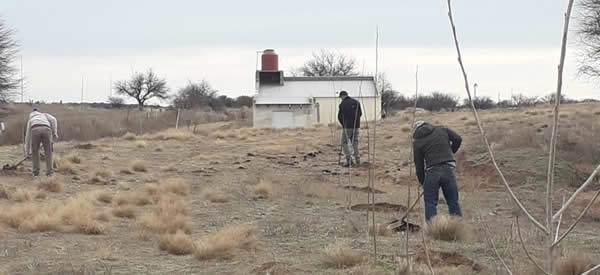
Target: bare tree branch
585, 210
581, 188
589, 272
328, 63
559, 222
527, 251
481, 131
553, 140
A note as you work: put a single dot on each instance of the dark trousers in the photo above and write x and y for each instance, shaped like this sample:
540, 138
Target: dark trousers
436, 177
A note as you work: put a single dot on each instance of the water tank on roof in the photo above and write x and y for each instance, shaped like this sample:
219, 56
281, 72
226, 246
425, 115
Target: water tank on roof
270, 61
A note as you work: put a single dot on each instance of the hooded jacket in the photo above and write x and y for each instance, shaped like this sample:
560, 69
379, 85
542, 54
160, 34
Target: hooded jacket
433, 145
37, 118
349, 113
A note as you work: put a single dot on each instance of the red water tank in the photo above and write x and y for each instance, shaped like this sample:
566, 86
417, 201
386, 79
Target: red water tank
270, 61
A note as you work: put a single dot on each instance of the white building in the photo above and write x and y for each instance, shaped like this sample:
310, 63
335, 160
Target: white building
291, 102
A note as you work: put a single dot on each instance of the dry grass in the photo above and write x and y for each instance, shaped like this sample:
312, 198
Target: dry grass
130, 136
177, 244
167, 216
172, 168
104, 197
573, 263
126, 171
175, 185
103, 217
381, 230
580, 202
447, 228
102, 176
341, 255
74, 215
74, 158
264, 188
50, 184
124, 211
171, 134
22, 194
212, 194
132, 198
141, 144
140, 166
4, 193
64, 166
225, 243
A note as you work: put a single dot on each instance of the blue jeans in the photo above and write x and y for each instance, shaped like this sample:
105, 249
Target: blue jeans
436, 177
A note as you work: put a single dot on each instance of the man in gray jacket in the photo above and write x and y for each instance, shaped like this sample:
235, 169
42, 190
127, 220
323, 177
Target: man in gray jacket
41, 129
434, 149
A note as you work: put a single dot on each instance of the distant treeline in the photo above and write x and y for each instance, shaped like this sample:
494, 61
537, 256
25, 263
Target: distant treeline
438, 101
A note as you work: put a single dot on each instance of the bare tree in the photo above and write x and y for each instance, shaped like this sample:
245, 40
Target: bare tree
8, 74
143, 87
196, 95
328, 63
115, 101
589, 36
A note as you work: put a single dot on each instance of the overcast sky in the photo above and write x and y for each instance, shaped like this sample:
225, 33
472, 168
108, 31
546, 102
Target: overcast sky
510, 45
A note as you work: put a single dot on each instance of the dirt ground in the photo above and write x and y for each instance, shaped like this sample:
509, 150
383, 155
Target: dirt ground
310, 203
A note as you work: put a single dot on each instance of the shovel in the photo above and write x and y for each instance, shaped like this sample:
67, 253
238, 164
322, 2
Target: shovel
14, 167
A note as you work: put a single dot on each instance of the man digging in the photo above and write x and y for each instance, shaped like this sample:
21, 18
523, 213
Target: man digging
434, 149
41, 128
349, 117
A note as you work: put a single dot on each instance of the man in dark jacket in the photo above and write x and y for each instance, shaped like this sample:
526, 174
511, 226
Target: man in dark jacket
349, 117
434, 149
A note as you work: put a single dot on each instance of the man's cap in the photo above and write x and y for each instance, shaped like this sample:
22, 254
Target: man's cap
35, 109
418, 124
343, 93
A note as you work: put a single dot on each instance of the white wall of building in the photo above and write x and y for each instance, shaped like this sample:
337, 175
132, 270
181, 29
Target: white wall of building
328, 109
283, 116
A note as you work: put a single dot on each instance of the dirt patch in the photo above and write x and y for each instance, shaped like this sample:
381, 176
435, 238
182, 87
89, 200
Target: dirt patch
441, 259
383, 207
273, 268
363, 189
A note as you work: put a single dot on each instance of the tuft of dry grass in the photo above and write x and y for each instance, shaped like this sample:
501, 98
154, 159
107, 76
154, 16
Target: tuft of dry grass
171, 134
64, 166
176, 244
447, 228
140, 166
341, 255
406, 129
103, 217
381, 230
126, 171
25, 195
175, 185
167, 216
597, 113
225, 243
129, 136
50, 184
124, 211
172, 168
573, 263
79, 214
74, 158
104, 197
264, 188
212, 194
141, 144
132, 198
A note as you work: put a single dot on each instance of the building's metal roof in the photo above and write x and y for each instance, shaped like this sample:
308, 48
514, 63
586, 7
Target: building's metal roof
328, 78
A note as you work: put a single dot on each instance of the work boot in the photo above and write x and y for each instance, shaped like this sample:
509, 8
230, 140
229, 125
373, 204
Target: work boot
357, 162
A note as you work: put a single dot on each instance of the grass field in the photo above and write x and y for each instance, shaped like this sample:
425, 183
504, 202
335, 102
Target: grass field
234, 200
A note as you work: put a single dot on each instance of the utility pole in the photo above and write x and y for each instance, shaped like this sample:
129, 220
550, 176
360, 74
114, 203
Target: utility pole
475, 91
110, 87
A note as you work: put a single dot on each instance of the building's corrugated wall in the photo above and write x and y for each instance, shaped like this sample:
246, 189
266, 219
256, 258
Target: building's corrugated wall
328, 109
284, 116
